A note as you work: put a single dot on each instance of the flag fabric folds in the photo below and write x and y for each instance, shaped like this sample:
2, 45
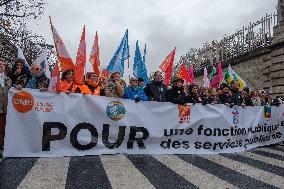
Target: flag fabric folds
167, 67
95, 55
191, 75
231, 75
183, 73
218, 78
43, 63
206, 81
62, 53
212, 73
54, 84
122, 53
80, 60
22, 56
139, 67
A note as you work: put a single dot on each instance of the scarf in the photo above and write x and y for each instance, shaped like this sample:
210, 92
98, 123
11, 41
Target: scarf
2, 79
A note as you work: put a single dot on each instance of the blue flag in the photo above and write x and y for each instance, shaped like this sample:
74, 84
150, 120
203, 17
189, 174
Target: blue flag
139, 68
122, 53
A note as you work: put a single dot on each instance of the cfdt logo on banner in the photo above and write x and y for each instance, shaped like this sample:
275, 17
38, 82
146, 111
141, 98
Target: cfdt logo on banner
24, 102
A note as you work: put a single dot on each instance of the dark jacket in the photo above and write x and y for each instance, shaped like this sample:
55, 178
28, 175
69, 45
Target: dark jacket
225, 98
236, 98
156, 91
211, 100
176, 95
248, 102
14, 77
193, 98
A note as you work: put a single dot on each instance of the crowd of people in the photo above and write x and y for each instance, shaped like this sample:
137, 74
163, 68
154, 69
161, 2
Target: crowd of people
114, 86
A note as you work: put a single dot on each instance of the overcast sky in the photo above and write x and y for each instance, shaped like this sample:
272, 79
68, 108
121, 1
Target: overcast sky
161, 24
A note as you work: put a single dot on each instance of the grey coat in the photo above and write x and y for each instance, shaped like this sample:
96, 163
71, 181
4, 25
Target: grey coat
4, 95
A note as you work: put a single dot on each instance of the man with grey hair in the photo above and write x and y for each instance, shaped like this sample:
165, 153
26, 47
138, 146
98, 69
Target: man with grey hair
156, 89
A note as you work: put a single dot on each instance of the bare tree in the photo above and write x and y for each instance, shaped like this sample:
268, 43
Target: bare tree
14, 17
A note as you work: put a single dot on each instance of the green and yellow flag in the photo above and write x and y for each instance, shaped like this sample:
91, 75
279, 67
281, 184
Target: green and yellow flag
231, 75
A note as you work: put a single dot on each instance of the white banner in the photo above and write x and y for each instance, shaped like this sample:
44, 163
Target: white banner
52, 125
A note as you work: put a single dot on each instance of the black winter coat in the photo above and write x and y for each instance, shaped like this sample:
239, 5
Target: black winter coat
176, 95
156, 91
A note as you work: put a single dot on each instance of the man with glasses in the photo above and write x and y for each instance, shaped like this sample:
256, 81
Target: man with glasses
156, 89
134, 92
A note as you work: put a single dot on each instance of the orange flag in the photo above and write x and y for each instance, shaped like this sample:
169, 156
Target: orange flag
54, 84
183, 73
167, 66
80, 60
95, 55
62, 53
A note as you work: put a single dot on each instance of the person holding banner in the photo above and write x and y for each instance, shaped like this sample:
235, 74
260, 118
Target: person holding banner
193, 94
226, 95
176, 94
134, 92
5, 84
213, 97
18, 70
236, 95
92, 82
255, 98
246, 97
114, 87
156, 90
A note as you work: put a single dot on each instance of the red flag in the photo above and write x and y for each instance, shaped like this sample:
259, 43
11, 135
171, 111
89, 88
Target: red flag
54, 84
62, 53
191, 75
183, 73
218, 78
80, 60
95, 55
167, 66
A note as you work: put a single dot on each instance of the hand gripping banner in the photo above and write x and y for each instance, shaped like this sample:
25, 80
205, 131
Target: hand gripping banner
53, 125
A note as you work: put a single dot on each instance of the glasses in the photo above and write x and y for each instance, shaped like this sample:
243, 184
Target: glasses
36, 69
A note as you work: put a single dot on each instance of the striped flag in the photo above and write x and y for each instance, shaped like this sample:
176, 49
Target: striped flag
232, 75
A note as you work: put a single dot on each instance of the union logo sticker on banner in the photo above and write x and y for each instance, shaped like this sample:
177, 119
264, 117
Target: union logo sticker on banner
184, 114
115, 110
267, 112
23, 101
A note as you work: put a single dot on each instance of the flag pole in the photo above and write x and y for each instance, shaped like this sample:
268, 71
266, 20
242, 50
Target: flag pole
128, 69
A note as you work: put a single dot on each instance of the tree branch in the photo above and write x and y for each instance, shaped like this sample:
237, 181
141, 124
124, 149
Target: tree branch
6, 2
12, 15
